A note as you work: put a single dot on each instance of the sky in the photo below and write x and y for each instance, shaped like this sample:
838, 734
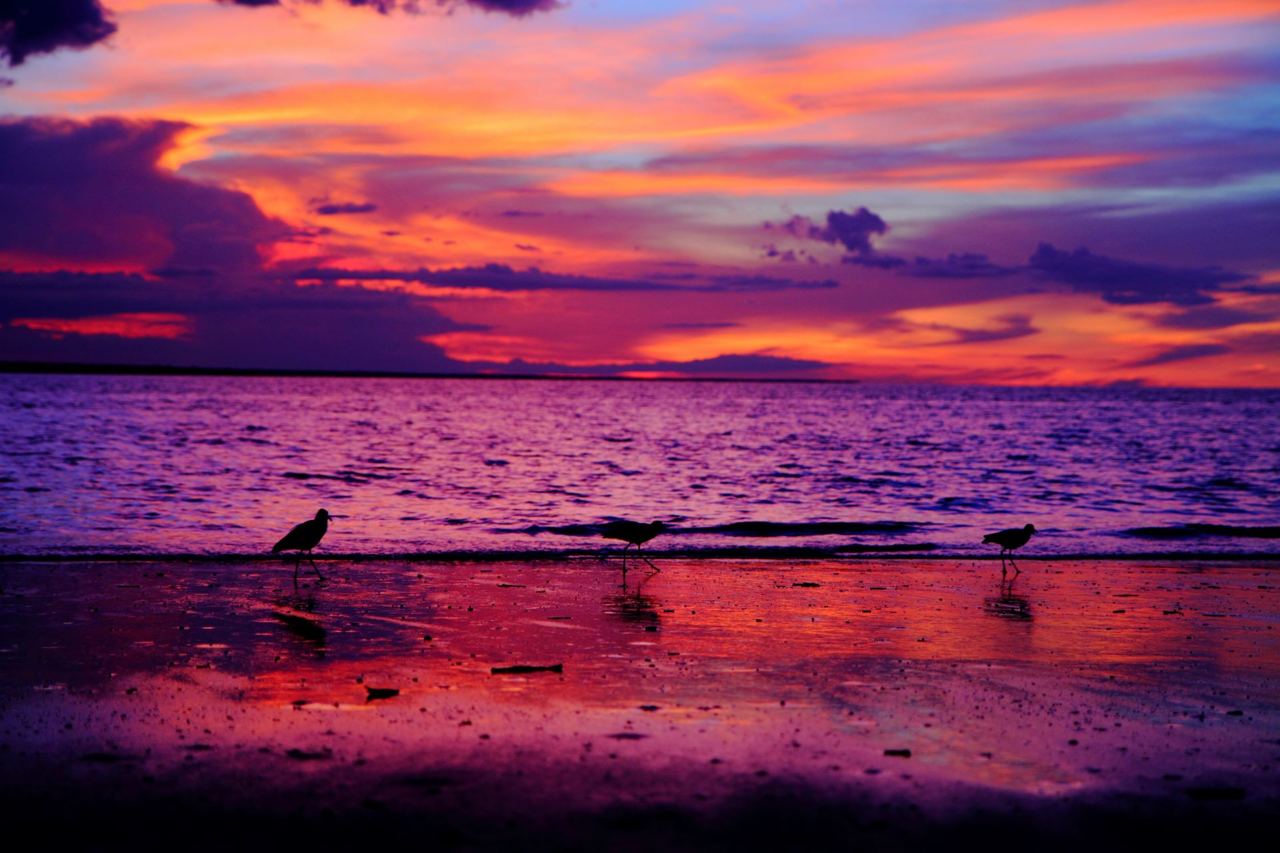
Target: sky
1016, 193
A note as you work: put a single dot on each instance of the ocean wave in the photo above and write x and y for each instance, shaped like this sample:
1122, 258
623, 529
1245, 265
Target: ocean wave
746, 529
770, 529
1198, 531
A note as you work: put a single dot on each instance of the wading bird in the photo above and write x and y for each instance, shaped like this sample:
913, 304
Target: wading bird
1010, 540
303, 538
633, 533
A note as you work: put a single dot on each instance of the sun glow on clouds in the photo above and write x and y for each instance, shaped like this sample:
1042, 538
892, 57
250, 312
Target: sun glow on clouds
132, 326
654, 148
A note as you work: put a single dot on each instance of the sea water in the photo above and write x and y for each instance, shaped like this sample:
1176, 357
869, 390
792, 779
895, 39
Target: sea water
210, 464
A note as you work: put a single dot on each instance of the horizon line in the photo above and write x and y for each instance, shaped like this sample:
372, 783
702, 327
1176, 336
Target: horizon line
120, 369
60, 367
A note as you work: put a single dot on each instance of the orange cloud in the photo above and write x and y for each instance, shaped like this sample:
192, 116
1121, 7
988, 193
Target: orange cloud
139, 325
1031, 173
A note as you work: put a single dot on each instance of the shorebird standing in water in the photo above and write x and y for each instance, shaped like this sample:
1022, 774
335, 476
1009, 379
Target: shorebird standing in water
633, 533
304, 537
1010, 540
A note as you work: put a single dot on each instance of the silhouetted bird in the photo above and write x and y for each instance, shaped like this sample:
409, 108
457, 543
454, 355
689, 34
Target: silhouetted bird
1010, 540
304, 537
633, 533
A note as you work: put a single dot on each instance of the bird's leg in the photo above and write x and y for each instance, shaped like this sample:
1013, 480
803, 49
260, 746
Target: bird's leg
646, 559
1003, 569
313, 566
296, 565
1016, 571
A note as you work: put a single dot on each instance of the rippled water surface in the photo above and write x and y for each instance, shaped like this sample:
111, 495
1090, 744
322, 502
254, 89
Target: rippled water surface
227, 464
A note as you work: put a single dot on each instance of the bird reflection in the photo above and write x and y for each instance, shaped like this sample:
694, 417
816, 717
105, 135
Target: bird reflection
296, 613
1007, 605
633, 608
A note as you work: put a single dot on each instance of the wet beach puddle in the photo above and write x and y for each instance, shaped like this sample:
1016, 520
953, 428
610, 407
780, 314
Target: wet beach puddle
907, 676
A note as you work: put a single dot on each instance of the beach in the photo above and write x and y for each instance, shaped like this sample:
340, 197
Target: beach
717, 703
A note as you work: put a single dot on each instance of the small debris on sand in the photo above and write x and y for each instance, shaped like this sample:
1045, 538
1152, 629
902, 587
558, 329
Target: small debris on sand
380, 693
525, 669
309, 755
898, 753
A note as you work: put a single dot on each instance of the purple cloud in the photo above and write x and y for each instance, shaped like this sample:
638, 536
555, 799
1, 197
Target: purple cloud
851, 230
1127, 283
732, 364
42, 26
501, 277
282, 326
30, 27
515, 8
93, 192
1212, 317
336, 208
1182, 353
874, 260
962, 265
1012, 326
234, 323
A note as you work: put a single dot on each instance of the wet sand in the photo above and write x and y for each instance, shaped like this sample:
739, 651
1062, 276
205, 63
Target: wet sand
716, 704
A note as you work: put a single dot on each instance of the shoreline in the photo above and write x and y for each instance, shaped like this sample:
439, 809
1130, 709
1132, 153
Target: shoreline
766, 554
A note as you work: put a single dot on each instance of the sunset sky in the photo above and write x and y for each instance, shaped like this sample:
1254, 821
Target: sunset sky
1002, 192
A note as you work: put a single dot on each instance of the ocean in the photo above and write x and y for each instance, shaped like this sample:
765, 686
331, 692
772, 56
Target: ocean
225, 465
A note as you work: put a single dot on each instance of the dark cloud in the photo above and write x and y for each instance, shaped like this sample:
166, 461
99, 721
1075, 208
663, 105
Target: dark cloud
759, 365
279, 325
788, 256
854, 231
1238, 234
503, 278
721, 325
233, 323
874, 260
963, 265
515, 8
42, 26
1182, 353
1127, 283
518, 8
336, 208
30, 27
1011, 326
74, 193
851, 230
761, 283
1212, 317
734, 365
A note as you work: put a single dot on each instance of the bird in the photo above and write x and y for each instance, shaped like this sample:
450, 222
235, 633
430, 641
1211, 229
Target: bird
304, 537
1010, 540
633, 533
